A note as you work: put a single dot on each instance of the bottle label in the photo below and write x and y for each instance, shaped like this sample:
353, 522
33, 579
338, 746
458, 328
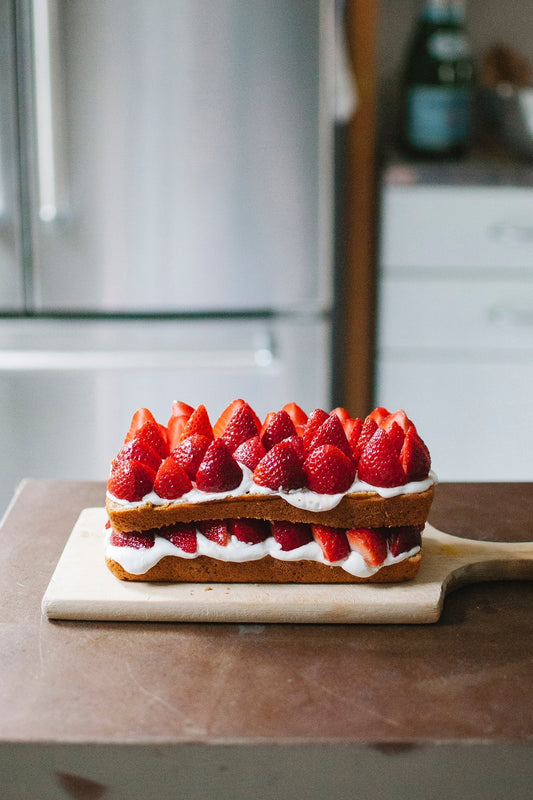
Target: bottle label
448, 46
438, 118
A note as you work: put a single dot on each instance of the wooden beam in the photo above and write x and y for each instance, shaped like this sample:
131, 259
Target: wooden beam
358, 221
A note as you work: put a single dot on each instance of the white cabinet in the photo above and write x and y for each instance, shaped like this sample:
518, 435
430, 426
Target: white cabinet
455, 324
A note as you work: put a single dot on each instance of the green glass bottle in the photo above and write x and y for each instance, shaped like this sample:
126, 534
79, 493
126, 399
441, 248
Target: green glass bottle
438, 83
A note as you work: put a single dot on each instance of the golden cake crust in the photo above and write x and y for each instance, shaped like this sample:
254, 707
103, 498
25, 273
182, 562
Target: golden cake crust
203, 569
368, 510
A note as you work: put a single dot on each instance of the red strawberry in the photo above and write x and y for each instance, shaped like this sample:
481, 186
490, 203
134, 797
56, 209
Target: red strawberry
396, 436
290, 535
250, 531
404, 538
179, 408
353, 429
152, 433
250, 452
175, 427
371, 543
333, 542
220, 425
216, 530
399, 417
141, 416
314, 421
331, 432
139, 450
379, 464
328, 470
342, 414
190, 452
218, 471
379, 414
130, 480
368, 429
171, 480
277, 426
280, 469
414, 456
182, 535
198, 422
298, 416
298, 444
136, 539
241, 426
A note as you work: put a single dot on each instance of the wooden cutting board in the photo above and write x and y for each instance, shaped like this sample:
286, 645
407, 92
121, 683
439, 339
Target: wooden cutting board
82, 588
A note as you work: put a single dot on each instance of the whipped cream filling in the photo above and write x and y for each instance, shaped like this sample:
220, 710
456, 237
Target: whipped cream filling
300, 498
139, 561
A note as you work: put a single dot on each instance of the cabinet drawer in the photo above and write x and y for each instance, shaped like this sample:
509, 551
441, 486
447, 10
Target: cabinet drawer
474, 416
465, 315
453, 227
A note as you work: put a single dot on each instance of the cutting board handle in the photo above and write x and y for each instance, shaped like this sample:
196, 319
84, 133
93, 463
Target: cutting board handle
472, 560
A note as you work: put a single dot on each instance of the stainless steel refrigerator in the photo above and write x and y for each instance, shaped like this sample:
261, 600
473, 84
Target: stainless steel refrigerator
166, 217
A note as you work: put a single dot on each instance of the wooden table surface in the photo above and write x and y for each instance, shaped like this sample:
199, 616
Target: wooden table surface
117, 709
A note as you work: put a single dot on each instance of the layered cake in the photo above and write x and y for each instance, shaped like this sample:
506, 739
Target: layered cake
318, 498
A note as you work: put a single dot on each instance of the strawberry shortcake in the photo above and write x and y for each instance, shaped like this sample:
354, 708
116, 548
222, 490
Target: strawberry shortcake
318, 498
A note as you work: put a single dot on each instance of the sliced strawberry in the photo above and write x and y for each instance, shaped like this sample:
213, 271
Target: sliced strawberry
171, 480
182, 535
241, 426
190, 452
151, 433
290, 535
379, 464
332, 541
342, 414
250, 531
404, 538
368, 429
277, 426
314, 421
329, 470
141, 416
130, 480
371, 543
331, 432
216, 530
218, 471
379, 414
175, 427
399, 417
352, 429
280, 469
298, 416
135, 539
415, 457
298, 444
198, 422
181, 409
250, 452
220, 425
396, 436
139, 450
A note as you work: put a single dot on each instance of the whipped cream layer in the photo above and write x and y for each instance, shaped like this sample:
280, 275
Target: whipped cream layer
138, 561
300, 498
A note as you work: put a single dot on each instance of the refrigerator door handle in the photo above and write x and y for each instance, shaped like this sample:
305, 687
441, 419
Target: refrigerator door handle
258, 358
48, 108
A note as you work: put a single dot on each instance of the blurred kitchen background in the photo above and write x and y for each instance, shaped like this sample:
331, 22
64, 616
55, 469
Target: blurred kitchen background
207, 200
